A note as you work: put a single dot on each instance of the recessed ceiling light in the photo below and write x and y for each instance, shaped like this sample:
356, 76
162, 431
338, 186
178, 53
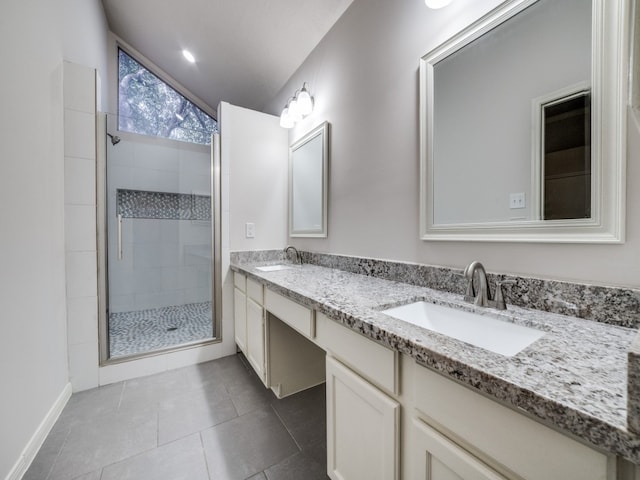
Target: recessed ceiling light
435, 4
189, 56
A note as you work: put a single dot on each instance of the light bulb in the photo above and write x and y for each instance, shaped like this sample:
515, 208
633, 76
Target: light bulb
294, 110
285, 119
305, 102
188, 55
435, 4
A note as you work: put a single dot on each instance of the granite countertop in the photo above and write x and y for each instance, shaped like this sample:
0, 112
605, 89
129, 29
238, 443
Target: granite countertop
574, 377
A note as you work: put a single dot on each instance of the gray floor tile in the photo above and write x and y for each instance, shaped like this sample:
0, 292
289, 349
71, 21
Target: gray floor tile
193, 412
246, 445
47, 455
304, 415
249, 394
297, 467
145, 393
258, 476
110, 438
227, 371
95, 475
179, 460
88, 405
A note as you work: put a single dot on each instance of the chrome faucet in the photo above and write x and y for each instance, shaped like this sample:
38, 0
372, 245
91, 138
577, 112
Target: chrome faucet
295, 250
483, 296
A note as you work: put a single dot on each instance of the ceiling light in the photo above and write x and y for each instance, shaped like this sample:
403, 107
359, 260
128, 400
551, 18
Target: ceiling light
298, 107
285, 119
294, 111
305, 102
189, 56
435, 4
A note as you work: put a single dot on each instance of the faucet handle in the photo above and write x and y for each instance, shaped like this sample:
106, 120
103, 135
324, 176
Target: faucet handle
500, 303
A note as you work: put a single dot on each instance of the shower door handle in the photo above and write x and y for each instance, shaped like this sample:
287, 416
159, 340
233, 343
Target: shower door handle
119, 234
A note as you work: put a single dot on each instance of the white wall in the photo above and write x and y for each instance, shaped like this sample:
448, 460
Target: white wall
364, 76
35, 36
255, 152
85, 37
33, 353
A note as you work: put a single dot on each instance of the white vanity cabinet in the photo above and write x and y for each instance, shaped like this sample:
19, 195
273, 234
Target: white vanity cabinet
295, 362
249, 320
363, 417
362, 427
255, 352
240, 310
456, 433
438, 458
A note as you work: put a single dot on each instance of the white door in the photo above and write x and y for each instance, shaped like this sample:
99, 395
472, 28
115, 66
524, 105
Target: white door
255, 337
240, 318
436, 457
362, 428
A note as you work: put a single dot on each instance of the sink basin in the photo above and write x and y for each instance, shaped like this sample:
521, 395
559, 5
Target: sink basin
274, 268
485, 332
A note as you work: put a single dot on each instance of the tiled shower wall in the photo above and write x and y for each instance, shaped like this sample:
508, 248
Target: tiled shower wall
80, 224
160, 189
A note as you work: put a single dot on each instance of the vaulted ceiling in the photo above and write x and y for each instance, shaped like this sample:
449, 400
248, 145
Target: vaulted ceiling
245, 50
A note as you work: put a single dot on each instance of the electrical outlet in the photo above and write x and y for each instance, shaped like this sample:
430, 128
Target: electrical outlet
517, 200
250, 230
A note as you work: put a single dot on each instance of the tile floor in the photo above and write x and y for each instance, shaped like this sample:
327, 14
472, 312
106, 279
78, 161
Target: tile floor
153, 329
213, 421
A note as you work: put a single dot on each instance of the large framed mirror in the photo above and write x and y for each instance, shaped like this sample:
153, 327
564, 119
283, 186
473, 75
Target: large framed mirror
523, 125
308, 183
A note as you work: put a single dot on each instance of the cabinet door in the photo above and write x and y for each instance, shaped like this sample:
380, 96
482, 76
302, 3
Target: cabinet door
240, 318
436, 457
362, 428
255, 337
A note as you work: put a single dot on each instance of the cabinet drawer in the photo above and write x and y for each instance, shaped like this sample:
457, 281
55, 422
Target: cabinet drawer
292, 313
376, 363
502, 436
438, 457
240, 281
255, 291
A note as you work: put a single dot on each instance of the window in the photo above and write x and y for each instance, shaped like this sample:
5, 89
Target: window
148, 106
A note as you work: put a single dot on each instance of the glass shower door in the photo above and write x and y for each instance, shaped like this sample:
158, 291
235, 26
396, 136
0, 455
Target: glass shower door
159, 244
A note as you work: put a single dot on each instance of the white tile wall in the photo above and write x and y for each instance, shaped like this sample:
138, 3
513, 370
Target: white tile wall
79, 134
82, 320
78, 234
80, 225
79, 181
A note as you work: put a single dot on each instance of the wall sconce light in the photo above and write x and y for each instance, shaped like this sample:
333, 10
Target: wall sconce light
298, 107
435, 4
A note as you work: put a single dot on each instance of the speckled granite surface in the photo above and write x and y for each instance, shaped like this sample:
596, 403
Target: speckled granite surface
574, 377
612, 305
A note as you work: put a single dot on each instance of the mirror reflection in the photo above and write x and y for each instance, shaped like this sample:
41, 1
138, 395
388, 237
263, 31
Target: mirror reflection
308, 170
522, 125
483, 110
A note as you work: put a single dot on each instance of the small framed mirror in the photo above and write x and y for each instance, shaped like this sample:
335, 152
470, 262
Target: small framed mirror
308, 183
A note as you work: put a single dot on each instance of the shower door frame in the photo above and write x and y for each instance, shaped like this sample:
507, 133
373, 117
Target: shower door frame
102, 248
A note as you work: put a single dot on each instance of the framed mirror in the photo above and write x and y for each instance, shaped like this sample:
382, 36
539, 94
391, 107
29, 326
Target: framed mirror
523, 125
308, 183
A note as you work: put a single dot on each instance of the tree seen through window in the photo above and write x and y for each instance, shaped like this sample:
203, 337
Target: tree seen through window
148, 106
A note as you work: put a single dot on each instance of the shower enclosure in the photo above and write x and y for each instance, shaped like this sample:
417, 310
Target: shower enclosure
158, 227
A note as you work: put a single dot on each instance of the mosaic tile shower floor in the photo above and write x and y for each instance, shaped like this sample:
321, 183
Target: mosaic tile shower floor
147, 330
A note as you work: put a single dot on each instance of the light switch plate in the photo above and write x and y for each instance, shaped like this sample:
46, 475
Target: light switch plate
250, 230
517, 200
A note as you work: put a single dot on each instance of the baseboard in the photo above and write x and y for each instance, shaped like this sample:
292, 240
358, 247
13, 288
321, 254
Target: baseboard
38, 438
